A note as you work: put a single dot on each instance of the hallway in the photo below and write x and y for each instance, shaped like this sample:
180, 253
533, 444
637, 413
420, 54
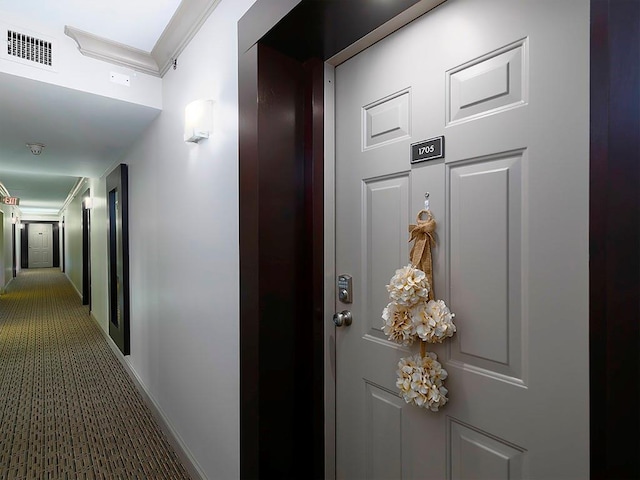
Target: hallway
68, 409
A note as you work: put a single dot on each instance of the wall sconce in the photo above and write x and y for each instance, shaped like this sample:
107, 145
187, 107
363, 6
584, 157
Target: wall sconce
14, 220
198, 120
87, 202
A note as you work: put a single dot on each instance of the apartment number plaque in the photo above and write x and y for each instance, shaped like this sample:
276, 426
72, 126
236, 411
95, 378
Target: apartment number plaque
426, 150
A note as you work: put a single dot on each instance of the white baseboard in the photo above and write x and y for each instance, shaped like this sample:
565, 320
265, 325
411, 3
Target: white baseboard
73, 285
3, 289
174, 439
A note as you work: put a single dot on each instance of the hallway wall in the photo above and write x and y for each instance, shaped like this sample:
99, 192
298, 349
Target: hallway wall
183, 222
99, 254
73, 241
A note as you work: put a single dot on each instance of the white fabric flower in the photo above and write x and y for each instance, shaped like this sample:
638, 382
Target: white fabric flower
406, 367
433, 321
409, 286
420, 381
398, 324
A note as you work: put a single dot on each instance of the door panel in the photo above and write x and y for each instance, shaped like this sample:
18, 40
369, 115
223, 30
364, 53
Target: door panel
507, 85
477, 455
384, 434
387, 119
485, 246
386, 242
492, 83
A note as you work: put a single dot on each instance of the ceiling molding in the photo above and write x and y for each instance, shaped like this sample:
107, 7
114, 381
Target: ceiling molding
73, 193
113, 52
184, 24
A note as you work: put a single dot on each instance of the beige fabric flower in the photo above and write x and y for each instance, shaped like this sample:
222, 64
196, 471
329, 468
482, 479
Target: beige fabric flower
398, 324
406, 367
433, 321
408, 287
420, 381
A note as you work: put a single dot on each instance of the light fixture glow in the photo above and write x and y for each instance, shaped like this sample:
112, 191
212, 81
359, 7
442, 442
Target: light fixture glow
198, 120
88, 203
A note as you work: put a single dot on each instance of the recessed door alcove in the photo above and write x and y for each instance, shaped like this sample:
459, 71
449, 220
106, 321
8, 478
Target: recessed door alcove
282, 47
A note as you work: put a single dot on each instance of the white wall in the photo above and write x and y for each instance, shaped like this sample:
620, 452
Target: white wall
73, 238
184, 252
99, 253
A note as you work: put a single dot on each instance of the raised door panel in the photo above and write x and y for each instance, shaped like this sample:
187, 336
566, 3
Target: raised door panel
486, 263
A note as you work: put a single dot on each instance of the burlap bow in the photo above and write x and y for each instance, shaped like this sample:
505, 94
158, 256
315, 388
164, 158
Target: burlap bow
422, 234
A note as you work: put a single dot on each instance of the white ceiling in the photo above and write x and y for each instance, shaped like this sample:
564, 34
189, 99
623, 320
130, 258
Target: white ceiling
83, 134
137, 23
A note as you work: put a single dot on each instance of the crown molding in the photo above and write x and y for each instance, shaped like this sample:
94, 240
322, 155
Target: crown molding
100, 48
183, 26
73, 193
3, 191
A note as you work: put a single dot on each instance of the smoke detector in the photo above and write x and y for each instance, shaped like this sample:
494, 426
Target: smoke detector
36, 148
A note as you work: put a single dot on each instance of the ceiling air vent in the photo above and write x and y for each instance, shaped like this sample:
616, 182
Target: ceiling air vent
30, 49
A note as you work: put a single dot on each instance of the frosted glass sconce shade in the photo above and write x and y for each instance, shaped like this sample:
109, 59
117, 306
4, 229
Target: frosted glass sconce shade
198, 120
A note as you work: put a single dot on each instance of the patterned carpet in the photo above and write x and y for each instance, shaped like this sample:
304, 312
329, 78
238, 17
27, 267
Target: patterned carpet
68, 409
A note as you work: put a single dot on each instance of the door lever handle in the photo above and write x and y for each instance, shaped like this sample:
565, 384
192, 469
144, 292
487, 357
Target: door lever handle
342, 318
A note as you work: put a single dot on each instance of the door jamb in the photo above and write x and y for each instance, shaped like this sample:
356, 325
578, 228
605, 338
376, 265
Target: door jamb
330, 273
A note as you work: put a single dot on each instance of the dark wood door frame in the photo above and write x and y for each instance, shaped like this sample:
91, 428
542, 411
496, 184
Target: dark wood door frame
297, 32
24, 242
86, 249
117, 190
14, 253
615, 239
63, 262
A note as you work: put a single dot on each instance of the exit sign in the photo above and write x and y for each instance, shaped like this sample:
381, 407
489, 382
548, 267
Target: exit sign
11, 200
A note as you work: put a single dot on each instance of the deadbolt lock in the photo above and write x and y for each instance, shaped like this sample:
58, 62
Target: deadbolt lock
345, 289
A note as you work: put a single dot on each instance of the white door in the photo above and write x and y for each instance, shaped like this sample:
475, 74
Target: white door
40, 245
506, 83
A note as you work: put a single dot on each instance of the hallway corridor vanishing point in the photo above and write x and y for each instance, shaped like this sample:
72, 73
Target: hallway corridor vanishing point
68, 409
